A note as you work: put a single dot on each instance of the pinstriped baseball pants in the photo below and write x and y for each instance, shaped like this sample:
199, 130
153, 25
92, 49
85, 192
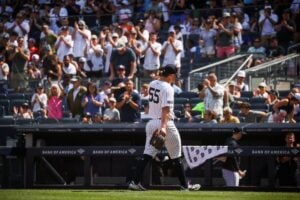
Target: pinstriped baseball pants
172, 142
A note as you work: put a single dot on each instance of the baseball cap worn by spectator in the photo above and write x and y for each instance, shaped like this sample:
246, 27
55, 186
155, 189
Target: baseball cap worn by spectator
112, 99
120, 46
82, 60
226, 14
241, 74
115, 35
75, 79
273, 92
262, 84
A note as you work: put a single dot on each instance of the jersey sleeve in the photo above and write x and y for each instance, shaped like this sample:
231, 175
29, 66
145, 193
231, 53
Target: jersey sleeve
167, 97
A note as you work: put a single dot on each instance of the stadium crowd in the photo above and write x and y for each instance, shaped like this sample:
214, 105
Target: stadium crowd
62, 49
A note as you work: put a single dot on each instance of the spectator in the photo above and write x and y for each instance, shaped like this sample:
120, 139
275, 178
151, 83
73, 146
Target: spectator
288, 104
250, 116
92, 102
64, 44
273, 98
111, 114
285, 30
212, 94
267, 21
208, 35
74, 98
258, 51
95, 61
237, 31
33, 49
145, 91
228, 117
129, 103
82, 68
240, 81
19, 56
187, 113
20, 26
145, 113
73, 10
4, 68
57, 12
225, 31
68, 68
89, 11
261, 91
87, 118
152, 22
52, 68
81, 37
287, 165
210, 117
39, 102
171, 50
231, 169
55, 103
22, 112
233, 92
48, 39
33, 72
151, 52
123, 55
274, 50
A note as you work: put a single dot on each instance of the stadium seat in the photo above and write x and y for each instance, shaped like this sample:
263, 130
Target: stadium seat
12, 96
7, 121
24, 121
6, 105
248, 94
180, 100
3, 96
257, 100
284, 93
67, 120
195, 100
188, 95
47, 121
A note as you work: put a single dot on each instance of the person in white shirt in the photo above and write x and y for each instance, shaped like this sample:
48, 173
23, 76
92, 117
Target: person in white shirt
213, 94
95, 62
4, 68
152, 52
64, 44
55, 14
267, 22
21, 27
171, 50
68, 68
81, 37
39, 103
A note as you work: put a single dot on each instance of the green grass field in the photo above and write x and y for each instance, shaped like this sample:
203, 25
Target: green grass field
130, 195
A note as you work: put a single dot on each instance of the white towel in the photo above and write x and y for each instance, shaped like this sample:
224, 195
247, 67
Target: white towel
197, 155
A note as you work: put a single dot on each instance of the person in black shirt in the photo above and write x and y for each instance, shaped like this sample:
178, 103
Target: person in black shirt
231, 168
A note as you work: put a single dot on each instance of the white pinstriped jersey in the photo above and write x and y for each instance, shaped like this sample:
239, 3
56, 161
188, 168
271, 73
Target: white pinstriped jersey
161, 94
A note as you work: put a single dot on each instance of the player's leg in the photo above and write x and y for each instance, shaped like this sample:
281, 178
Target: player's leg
148, 155
173, 146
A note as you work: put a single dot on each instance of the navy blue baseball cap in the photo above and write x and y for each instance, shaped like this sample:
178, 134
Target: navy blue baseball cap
168, 69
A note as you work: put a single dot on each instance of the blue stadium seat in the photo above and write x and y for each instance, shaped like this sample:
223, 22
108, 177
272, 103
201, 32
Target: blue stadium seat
180, 100
6, 105
7, 121
12, 96
257, 100
3, 96
47, 121
67, 120
24, 121
188, 94
248, 94
195, 100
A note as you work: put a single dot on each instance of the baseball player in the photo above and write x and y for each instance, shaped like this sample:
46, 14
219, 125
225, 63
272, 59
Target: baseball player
161, 103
